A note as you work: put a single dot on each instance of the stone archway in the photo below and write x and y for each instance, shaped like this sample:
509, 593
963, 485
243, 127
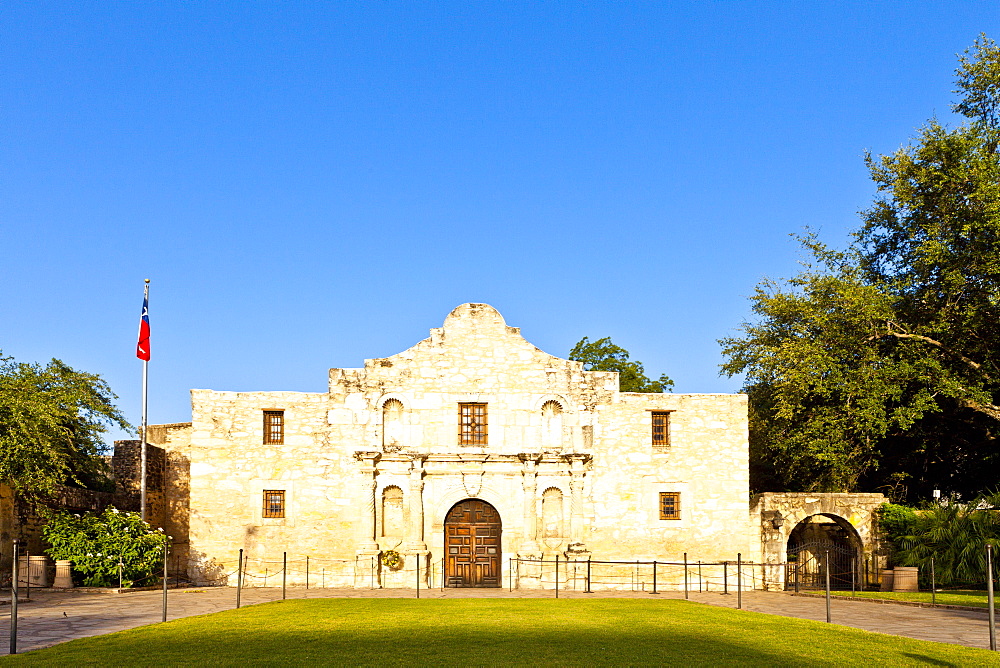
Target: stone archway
778, 514
472, 531
821, 545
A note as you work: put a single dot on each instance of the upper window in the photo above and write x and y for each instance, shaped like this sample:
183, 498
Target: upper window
670, 505
472, 424
661, 428
274, 503
274, 427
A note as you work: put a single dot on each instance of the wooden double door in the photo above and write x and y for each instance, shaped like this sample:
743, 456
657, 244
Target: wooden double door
472, 545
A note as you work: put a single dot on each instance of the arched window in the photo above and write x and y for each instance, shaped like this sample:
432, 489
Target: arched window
392, 425
392, 512
551, 425
552, 513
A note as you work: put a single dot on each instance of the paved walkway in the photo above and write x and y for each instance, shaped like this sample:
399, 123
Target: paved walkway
53, 617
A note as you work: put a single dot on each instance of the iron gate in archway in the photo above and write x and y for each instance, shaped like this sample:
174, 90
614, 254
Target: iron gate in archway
807, 564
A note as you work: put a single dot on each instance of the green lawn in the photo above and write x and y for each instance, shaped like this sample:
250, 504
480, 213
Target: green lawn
972, 598
487, 632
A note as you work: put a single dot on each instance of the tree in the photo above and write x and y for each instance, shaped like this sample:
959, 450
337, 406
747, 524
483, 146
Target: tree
603, 355
51, 420
860, 366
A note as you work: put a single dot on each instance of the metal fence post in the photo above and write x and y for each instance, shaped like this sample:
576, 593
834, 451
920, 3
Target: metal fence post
557, 575
854, 569
933, 584
827, 569
307, 572
686, 595
699, 576
588, 575
654, 577
418, 575
284, 574
13, 605
989, 597
725, 577
164, 581
739, 580
239, 578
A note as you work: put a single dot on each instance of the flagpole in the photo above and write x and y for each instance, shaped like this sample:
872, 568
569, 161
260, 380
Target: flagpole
142, 444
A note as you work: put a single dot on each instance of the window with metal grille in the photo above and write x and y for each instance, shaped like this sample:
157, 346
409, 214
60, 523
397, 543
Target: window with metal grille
274, 503
472, 424
661, 428
670, 505
274, 427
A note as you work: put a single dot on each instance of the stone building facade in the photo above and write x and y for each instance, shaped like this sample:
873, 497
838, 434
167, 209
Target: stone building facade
463, 453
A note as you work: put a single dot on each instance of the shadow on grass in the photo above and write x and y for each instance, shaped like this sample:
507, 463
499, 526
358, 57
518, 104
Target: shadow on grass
926, 660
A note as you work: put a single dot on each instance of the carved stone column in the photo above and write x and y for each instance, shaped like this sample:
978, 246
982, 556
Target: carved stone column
415, 531
367, 545
577, 472
530, 486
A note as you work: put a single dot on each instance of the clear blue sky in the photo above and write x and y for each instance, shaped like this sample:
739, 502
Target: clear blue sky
312, 184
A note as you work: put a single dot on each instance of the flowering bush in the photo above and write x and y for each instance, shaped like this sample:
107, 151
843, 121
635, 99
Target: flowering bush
97, 542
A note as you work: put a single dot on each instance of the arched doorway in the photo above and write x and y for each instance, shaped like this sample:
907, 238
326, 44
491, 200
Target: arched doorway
820, 543
472, 545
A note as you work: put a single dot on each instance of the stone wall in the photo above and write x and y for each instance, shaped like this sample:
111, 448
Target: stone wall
569, 464
19, 520
126, 467
174, 440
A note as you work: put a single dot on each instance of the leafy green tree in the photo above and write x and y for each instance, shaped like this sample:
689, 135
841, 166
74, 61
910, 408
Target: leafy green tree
101, 545
51, 421
861, 364
603, 355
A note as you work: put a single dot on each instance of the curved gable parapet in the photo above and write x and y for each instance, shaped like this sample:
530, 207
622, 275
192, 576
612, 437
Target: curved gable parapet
472, 330
476, 351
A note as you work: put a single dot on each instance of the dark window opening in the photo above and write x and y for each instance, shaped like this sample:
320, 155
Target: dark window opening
274, 503
472, 425
670, 505
274, 427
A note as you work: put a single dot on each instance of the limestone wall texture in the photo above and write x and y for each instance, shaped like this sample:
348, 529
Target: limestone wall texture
376, 463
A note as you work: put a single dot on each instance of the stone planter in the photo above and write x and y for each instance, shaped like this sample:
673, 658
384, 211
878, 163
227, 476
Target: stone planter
33, 571
905, 579
887, 580
64, 576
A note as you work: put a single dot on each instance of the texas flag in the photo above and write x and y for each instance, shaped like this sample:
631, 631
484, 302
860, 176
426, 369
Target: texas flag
142, 349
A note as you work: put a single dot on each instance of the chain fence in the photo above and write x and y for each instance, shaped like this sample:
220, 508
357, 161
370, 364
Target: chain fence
556, 574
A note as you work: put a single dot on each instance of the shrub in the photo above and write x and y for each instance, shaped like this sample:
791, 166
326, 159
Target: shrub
97, 542
954, 534
896, 520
